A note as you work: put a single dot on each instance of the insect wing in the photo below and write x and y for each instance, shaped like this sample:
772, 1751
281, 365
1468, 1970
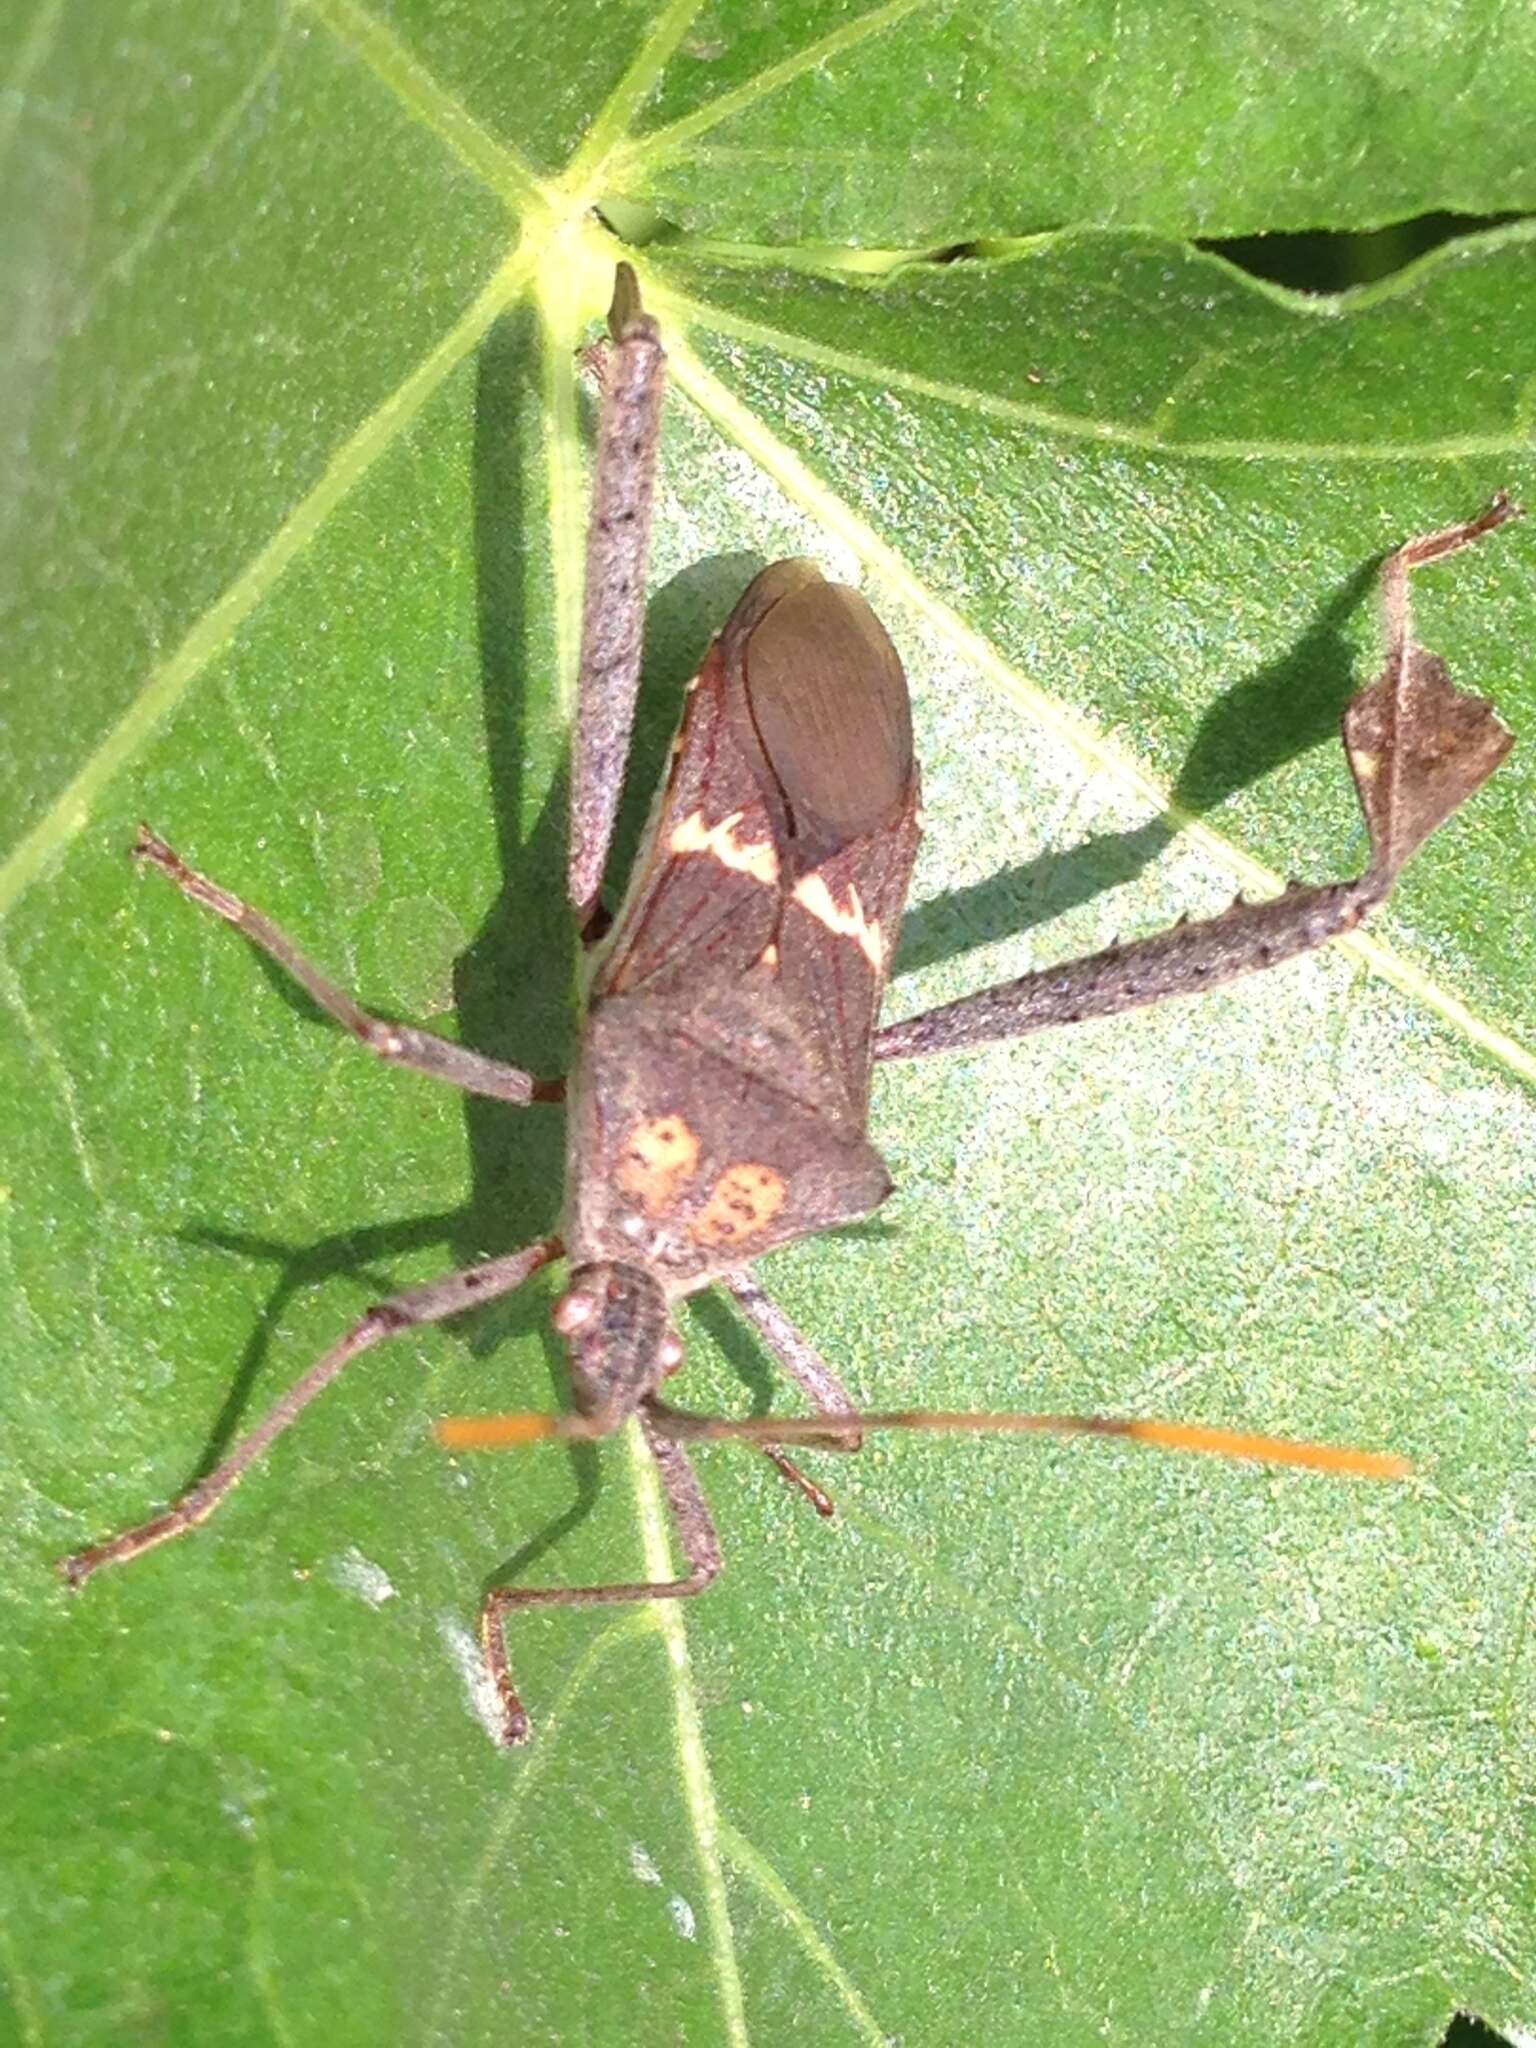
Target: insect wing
770, 892
705, 889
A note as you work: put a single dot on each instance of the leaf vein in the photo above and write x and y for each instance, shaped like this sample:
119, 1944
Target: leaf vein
409, 81
671, 140
1136, 1739
71, 810
754, 1866
559, 315
612, 119
176, 189
688, 1737
32, 52
1047, 419
622, 1628
24, 1999
57, 1070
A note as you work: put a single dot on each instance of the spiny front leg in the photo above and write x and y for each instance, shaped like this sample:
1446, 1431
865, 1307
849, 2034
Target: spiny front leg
417, 1305
402, 1044
1417, 748
701, 1552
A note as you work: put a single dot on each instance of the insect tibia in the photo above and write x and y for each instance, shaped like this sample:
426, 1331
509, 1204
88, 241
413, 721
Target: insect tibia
1418, 748
613, 605
1184, 960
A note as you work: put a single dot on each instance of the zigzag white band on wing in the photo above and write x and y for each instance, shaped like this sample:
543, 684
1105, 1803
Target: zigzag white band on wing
754, 857
812, 894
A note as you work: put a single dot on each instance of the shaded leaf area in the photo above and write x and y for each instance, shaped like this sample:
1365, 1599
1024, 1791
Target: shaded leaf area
1066, 1741
913, 124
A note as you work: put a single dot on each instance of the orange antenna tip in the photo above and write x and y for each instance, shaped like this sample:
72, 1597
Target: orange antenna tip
494, 1432
1272, 1450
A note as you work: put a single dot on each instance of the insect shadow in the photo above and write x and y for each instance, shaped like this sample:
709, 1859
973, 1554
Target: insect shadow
512, 983
1281, 710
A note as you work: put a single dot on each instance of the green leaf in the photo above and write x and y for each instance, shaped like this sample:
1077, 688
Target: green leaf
1064, 1741
911, 124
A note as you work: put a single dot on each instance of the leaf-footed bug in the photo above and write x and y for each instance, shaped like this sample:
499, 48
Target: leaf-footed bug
719, 1103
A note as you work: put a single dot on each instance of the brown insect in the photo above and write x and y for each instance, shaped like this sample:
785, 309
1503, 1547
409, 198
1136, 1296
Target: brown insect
719, 1104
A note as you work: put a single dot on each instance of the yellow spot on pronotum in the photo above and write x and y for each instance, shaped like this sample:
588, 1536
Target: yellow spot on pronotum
754, 857
769, 957
1366, 764
656, 1162
812, 894
742, 1203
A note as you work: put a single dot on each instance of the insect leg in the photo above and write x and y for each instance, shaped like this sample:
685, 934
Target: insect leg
401, 1044
1417, 747
429, 1304
696, 1539
805, 1365
613, 610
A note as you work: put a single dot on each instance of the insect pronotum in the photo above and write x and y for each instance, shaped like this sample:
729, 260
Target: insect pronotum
719, 1102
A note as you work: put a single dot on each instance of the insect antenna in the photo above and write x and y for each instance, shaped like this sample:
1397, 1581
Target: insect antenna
680, 1425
